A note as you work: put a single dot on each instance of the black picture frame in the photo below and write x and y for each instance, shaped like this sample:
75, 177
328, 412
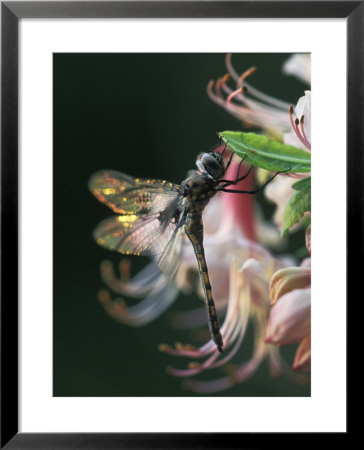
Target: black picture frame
11, 12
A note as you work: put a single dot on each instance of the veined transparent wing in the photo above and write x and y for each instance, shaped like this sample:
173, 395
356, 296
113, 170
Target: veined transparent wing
146, 224
143, 235
128, 195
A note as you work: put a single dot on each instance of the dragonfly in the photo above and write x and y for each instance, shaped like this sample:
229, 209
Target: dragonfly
152, 217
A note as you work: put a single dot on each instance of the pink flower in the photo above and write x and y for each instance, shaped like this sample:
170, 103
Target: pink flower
290, 323
290, 316
279, 119
248, 302
247, 103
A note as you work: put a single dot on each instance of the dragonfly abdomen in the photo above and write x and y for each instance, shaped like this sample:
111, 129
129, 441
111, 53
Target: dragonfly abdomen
194, 231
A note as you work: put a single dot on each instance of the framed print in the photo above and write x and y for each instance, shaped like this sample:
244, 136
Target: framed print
156, 221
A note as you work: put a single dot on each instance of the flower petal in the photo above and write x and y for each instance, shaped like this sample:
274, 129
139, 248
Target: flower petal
302, 360
290, 318
299, 65
279, 191
287, 279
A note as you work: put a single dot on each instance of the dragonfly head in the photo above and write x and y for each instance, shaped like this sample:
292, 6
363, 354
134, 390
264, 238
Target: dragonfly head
211, 165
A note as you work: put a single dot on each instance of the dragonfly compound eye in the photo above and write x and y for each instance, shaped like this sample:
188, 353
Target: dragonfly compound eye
211, 164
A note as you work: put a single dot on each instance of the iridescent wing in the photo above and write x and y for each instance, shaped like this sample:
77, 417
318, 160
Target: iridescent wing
128, 195
147, 221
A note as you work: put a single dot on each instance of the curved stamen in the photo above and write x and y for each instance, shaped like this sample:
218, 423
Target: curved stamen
267, 98
246, 74
194, 368
230, 67
258, 94
233, 351
147, 280
295, 122
302, 123
124, 269
186, 350
143, 312
249, 110
239, 91
242, 373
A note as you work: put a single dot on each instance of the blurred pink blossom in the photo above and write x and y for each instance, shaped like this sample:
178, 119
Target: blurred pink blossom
290, 316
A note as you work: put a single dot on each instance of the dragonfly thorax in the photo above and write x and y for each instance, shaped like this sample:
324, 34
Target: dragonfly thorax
196, 190
211, 165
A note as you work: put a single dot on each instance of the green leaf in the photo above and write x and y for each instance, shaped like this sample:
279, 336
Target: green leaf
263, 152
303, 184
298, 204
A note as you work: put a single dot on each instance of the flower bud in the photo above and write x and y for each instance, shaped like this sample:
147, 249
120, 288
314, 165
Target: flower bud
290, 318
287, 279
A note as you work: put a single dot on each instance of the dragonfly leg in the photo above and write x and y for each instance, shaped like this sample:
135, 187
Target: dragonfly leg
236, 191
229, 162
237, 178
222, 153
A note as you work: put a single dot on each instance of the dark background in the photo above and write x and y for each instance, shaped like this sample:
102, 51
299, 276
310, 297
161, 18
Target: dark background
147, 115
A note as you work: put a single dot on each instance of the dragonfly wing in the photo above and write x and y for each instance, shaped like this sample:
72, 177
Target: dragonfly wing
146, 236
128, 195
169, 260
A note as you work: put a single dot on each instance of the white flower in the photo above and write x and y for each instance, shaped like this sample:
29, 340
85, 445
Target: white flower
300, 134
300, 66
280, 189
250, 270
